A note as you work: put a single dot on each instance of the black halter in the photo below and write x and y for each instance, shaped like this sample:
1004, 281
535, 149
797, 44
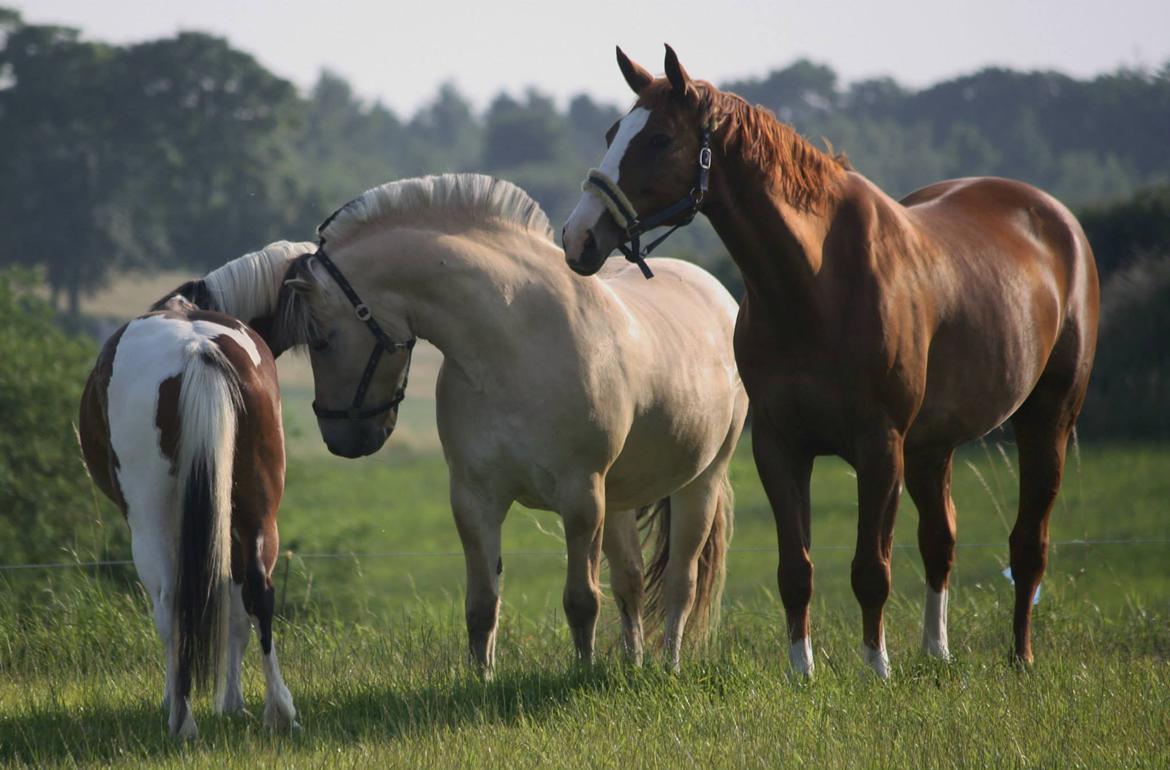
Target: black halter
635, 227
382, 343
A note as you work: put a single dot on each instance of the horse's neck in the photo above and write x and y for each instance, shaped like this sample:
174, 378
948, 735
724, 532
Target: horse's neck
455, 296
777, 246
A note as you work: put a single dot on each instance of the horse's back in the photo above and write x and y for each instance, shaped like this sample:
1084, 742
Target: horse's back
130, 408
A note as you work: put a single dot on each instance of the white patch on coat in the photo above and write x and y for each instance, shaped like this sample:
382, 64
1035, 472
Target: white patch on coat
934, 625
210, 330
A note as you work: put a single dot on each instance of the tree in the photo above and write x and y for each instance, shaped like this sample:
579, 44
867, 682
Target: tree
47, 507
58, 165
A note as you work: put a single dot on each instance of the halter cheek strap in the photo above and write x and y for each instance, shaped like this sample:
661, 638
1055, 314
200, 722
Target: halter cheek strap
382, 343
606, 190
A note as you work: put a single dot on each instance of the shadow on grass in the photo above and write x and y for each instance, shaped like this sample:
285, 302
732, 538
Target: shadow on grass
56, 734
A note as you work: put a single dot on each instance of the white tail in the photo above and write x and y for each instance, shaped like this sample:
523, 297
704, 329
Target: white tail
209, 405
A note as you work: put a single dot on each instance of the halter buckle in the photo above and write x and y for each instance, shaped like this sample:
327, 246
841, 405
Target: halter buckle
705, 158
362, 311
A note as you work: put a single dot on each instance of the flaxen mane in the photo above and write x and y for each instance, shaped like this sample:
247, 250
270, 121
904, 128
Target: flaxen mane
447, 201
805, 174
442, 200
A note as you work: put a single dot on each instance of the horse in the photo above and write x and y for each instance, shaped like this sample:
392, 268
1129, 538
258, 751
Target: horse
594, 399
884, 332
180, 426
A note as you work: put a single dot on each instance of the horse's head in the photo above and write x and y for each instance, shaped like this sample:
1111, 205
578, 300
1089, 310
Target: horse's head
360, 363
650, 175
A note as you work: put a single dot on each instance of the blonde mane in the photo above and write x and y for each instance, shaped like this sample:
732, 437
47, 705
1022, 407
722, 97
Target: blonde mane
248, 287
447, 200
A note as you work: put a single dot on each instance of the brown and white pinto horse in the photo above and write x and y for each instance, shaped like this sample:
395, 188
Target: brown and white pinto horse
886, 332
180, 427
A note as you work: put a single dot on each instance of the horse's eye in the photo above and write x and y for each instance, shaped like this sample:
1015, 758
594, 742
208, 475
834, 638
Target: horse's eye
320, 344
659, 141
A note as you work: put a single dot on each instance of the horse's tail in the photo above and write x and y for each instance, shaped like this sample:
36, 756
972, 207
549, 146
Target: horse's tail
656, 522
209, 405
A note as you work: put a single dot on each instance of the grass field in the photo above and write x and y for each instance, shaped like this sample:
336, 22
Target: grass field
373, 646
371, 635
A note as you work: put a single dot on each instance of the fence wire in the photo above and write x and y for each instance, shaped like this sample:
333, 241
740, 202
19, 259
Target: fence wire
359, 555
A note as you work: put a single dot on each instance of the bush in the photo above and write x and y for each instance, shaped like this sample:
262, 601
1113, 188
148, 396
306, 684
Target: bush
48, 506
1129, 393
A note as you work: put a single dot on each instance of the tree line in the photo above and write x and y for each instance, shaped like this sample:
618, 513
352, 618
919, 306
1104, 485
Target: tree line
184, 152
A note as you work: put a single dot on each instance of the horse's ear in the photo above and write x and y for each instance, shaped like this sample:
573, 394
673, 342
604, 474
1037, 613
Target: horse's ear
637, 77
299, 285
680, 81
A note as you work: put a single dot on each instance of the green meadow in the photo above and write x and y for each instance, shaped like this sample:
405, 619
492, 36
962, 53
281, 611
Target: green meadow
371, 638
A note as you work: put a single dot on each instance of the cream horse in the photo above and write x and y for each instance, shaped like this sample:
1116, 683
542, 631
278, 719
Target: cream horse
591, 398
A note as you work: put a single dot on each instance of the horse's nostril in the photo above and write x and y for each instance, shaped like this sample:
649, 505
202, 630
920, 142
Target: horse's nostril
590, 242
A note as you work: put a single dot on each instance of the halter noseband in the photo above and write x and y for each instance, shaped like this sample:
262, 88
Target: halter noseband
611, 196
382, 343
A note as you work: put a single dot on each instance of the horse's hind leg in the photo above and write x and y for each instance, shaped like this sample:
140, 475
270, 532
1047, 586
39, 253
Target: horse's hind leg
152, 539
238, 633
928, 479
259, 597
692, 512
479, 517
1042, 427
623, 550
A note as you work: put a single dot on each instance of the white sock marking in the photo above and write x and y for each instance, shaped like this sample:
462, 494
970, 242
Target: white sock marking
934, 624
800, 655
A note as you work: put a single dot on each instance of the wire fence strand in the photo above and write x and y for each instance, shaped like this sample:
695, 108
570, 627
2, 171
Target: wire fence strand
359, 555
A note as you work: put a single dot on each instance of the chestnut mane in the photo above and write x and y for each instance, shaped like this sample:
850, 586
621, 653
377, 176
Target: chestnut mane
805, 174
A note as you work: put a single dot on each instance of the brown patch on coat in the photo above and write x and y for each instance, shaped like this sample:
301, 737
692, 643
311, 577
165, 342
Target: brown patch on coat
94, 427
166, 418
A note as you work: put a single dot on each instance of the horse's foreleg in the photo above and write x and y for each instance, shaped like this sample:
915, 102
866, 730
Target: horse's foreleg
624, 553
928, 478
879, 465
786, 475
479, 517
584, 519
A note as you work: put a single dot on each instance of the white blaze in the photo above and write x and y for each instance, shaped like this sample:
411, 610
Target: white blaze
589, 209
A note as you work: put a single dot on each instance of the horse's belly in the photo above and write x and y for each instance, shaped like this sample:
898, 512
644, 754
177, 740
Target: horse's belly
665, 453
974, 385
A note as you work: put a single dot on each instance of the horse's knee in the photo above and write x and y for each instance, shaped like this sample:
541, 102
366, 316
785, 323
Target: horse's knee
796, 583
937, 546
582, 605
871, 581
481, 616
627, 584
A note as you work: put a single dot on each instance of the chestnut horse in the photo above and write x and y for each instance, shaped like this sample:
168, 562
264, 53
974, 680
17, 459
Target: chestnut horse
180, 427
885, 332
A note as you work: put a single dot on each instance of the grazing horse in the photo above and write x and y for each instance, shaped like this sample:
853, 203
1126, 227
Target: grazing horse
885, 332
589, 398
180, 427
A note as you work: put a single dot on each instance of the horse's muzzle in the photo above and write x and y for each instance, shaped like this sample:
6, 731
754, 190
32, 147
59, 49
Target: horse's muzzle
590, 259
353, 438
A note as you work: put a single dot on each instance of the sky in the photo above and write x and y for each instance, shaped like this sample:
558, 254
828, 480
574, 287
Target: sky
399, 53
